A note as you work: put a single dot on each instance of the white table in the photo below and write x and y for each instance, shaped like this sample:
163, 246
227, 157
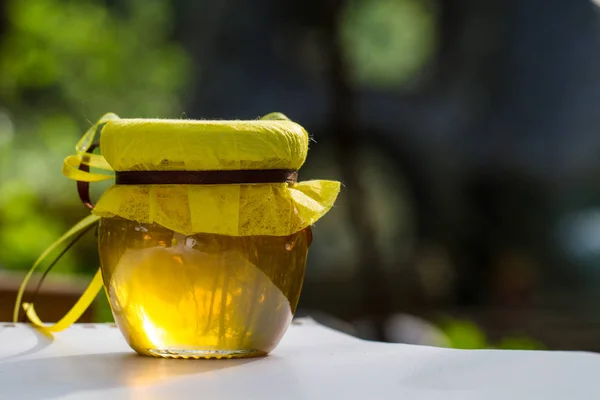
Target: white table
312, 362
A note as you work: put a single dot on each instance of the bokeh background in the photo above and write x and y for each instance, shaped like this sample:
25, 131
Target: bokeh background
466, 133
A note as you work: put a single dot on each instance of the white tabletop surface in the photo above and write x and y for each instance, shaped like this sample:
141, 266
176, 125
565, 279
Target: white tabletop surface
312, 362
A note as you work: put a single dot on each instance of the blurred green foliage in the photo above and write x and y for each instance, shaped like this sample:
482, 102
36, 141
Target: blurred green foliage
82, 58
464, 334
387, 41
64, 64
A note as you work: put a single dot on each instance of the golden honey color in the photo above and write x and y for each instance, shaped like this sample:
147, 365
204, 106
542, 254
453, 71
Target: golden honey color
202, 295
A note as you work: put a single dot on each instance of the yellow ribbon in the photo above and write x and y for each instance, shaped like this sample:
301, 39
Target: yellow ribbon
74, 313
83, 302
72, 163
71, 170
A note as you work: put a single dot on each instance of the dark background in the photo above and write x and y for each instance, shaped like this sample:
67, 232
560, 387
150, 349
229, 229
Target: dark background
466, 133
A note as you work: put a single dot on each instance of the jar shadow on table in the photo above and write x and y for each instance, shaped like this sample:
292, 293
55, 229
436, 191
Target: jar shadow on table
56, 377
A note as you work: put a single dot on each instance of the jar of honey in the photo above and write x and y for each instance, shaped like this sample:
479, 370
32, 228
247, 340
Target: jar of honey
204, 236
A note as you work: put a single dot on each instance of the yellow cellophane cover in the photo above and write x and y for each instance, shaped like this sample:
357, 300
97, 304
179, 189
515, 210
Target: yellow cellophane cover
275, 209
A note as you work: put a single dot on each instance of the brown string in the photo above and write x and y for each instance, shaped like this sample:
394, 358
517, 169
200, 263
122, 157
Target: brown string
205, 177
187, 178
83, 188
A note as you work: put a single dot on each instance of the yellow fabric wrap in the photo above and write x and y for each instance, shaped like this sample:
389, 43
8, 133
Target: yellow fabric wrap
276, 209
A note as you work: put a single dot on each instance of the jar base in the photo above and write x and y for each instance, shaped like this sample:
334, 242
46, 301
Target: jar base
199, 353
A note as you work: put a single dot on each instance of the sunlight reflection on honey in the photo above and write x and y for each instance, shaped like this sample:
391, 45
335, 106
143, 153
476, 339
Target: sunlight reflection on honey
203, 295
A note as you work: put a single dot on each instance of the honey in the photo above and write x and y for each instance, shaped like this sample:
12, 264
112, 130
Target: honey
202, 295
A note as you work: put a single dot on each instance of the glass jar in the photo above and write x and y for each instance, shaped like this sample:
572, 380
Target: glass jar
202, 295
204, 235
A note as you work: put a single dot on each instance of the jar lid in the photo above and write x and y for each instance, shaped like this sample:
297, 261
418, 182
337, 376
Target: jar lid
197, 145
